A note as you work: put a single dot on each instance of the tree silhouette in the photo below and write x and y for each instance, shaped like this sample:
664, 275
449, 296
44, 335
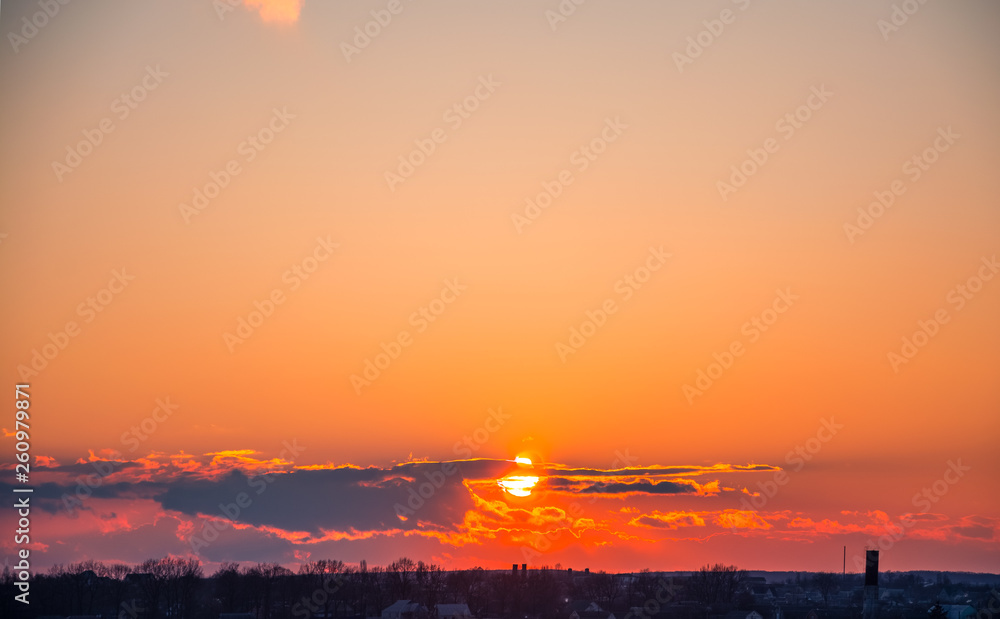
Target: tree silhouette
400, 576
716, 584
323, 582
826, 582
227, 585
115, 583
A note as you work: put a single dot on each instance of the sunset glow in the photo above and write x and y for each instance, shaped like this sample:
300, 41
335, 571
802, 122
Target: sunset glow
519, 485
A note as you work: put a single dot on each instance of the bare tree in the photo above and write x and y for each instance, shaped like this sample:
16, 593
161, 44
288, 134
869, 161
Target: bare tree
542, 593
605, 588
400, 573
826, 582
152, 581
227, 585
188, 580
716, 584
117, 586
470, 587
265, 580
82, 580
324, 576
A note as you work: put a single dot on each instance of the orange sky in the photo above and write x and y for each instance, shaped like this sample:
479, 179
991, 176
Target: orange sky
699, 235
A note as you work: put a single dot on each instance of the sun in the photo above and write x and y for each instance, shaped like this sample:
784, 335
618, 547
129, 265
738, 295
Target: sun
519, 485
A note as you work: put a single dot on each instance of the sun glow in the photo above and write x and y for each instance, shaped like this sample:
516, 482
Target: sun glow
519, 485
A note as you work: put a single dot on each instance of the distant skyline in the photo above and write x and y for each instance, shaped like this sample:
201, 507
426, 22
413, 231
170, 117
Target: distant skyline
616, 286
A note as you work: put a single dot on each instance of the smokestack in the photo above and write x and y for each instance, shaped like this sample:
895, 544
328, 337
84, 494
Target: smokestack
871, 568
514, 570
870, 608
524, 570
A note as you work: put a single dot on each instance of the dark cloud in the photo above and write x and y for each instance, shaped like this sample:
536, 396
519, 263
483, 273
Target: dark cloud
308, 500
657, 471
669, 521
642, 486
53, 497
315, 501
100, 468
973, 531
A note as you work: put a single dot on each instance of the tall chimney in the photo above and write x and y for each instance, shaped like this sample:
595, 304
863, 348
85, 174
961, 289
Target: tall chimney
514, 570
524, 570
870, 608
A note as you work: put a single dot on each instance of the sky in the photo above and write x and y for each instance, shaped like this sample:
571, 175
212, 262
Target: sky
293, 280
